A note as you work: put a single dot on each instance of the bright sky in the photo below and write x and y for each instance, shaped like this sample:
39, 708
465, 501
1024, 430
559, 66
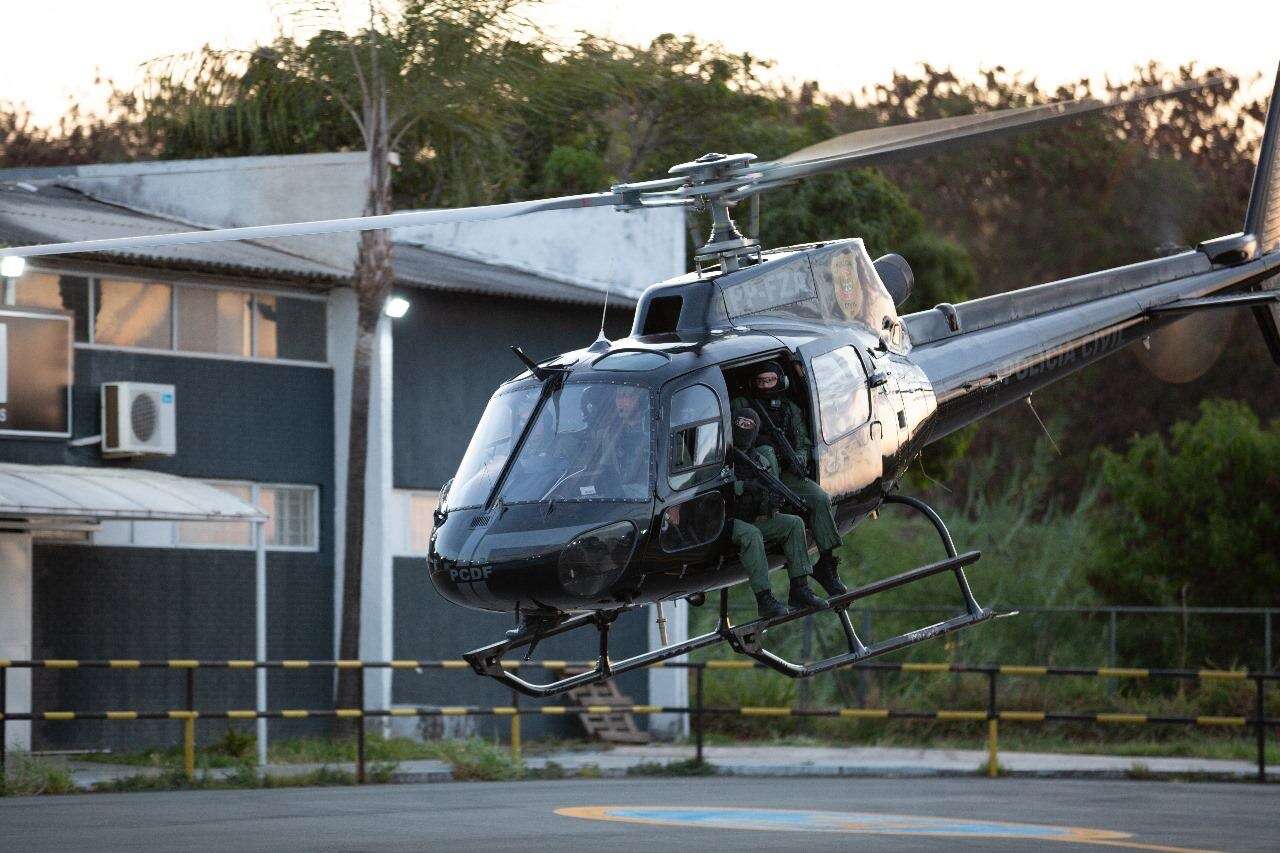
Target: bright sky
53, 50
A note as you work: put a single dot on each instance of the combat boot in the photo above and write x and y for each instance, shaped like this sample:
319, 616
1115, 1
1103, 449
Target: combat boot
769, 607
803, 597
827, 573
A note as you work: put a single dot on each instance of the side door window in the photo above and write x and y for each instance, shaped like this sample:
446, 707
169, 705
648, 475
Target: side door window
844, 403
697, 437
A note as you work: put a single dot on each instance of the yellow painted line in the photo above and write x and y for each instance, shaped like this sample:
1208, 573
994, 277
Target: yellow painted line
183, 664
122, 715
183, 715
865, 713
349, 664
4, 664
962, 715
604, 709
1220, 721
242, 715
240, 664
1121, 672
926, 667
1024, 670
295, 715
295, 664
404, 664
453, 664
764, 712
504, 710
59, 715
511, 664
61, 664
124, 664
1122, 718
1224, 674
646, 709
404, 712
554, 664
553, 709
730, 664
348, 713
1022, 716
454, 712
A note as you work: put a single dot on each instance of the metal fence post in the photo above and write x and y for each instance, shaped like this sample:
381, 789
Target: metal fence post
515, 728
189, 728
806, 652
360, 728
993, 727
1266, 641
1260, 710
697, 711
4, 711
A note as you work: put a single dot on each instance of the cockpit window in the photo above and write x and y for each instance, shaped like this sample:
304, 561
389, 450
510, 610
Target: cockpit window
590, 441
697, 447
631, 360
503, 421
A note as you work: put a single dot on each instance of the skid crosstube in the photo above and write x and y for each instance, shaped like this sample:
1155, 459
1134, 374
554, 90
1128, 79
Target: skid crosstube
748, 639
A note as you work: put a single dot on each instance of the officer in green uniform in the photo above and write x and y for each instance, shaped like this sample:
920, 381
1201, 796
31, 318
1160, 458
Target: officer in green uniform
757, 524
767, 388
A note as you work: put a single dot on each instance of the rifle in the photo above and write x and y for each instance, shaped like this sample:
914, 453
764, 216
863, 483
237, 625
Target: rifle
789, 456
765, 477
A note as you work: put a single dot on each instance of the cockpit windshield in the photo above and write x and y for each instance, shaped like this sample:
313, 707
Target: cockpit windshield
590, 441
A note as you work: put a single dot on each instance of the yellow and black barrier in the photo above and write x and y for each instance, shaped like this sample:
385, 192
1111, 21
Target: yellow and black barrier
992, 715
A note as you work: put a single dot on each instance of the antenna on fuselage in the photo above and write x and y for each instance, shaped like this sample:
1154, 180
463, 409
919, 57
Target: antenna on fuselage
601, 343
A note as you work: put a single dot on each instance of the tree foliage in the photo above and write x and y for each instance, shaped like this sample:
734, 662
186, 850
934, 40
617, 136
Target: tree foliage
1194, 519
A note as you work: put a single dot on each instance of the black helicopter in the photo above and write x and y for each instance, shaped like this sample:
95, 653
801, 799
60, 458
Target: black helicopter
534, 522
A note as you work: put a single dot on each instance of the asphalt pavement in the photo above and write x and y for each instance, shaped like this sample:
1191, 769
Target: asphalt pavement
703, 814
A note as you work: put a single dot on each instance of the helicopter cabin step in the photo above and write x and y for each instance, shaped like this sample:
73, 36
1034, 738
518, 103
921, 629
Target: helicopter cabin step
612, 727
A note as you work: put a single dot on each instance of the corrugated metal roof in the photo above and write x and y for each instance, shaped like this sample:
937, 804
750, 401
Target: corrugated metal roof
67, 491
46, 213
436, 270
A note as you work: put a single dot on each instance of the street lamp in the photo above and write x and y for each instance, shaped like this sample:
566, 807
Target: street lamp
10, 269
397, 307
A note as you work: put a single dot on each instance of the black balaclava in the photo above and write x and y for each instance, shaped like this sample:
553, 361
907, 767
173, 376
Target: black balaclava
777, 390
746, 426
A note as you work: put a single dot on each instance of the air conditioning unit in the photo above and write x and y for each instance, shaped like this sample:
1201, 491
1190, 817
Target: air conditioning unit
138, 419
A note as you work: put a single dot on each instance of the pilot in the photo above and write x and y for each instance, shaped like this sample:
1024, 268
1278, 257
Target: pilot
767, 389
616, 426
757, 524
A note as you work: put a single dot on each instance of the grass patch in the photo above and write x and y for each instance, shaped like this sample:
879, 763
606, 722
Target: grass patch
688, 767
28, 775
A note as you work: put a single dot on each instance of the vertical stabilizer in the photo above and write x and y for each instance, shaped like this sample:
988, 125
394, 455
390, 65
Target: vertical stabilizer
1263, 219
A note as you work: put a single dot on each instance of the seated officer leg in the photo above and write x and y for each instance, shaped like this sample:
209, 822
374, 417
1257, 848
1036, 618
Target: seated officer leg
786, 532
823, 522
749, 541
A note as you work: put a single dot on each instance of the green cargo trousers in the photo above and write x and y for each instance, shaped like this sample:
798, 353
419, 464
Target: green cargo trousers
820, 514
781, 531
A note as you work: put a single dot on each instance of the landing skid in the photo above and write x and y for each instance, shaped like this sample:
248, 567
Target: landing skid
748, 639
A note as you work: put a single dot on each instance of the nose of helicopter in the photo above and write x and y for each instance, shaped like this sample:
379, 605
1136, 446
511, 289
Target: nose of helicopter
572, 557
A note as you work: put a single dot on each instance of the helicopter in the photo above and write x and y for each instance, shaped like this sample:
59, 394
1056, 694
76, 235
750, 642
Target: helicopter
601, 480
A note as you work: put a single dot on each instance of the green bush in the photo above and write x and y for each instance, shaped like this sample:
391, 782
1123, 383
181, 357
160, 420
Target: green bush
27, 775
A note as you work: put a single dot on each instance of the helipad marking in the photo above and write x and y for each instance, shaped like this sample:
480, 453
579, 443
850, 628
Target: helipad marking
864, 823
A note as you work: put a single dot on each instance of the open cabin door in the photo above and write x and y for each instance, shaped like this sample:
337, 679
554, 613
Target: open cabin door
847, 438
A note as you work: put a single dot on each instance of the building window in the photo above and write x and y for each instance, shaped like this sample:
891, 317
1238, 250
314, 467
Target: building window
212, 320
290, 328
294, 516
184, 318
56, 293
414, 512
133, 314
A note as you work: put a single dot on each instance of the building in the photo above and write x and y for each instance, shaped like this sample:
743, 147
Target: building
256, 340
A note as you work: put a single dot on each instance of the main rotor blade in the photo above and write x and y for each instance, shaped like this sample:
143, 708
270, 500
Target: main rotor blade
882, 144
323, 226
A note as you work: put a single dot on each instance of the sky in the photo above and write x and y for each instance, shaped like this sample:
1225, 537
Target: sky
52, 51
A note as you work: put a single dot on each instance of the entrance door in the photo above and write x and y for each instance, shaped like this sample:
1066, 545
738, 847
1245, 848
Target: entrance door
15, 631
847, 437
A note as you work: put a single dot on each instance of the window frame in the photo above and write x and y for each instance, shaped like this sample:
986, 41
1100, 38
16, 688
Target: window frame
674, 430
